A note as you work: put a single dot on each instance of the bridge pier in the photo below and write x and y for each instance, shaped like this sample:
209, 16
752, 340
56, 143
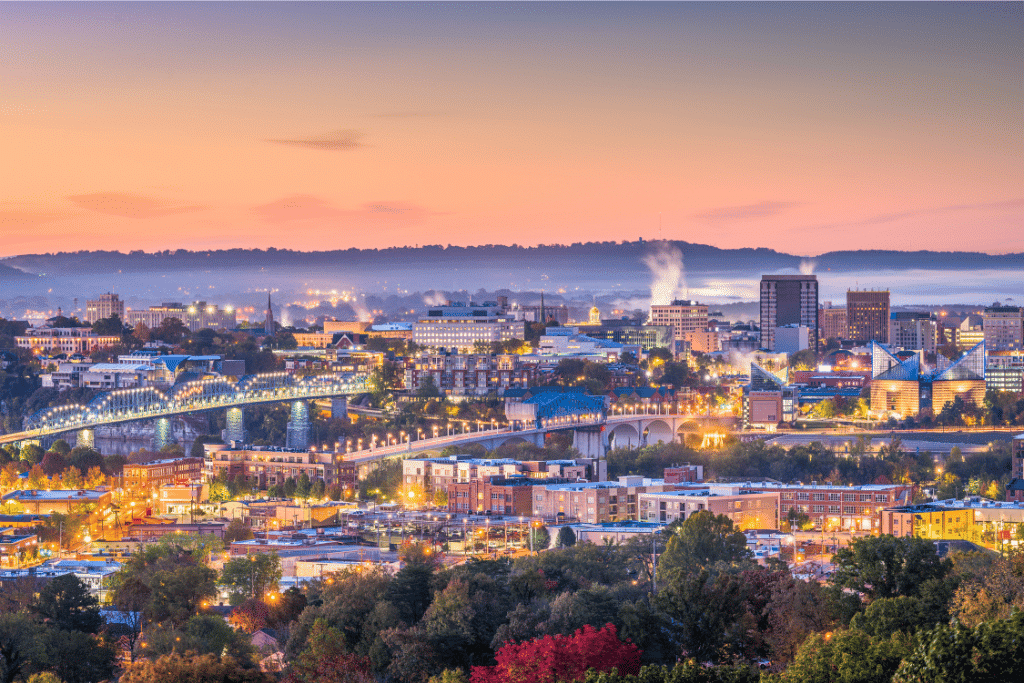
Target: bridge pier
589, 442
234, 429
162, 434
86, 438
298, 426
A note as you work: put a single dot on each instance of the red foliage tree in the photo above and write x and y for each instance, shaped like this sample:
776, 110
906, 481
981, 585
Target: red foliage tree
561, 659
250, 616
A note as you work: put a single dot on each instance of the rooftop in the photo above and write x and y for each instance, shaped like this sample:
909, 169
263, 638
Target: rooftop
59, 494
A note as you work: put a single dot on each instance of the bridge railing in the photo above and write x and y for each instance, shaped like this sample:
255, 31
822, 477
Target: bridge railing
123, 405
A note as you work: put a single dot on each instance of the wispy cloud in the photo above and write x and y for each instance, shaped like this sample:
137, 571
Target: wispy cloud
764, 209
297, 207
304, 207
339, 140
884, 218
127, 205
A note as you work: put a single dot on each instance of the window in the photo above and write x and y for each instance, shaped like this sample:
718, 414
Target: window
802, 496
833, 509
819, 496
834, 496
848, 509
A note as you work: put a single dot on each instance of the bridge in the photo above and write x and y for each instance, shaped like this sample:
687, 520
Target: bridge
220, 393
594, 434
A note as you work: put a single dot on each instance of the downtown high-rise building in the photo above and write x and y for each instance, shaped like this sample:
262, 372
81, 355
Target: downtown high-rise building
789, 300
683, 316
1004, 328
867, 315
105, 306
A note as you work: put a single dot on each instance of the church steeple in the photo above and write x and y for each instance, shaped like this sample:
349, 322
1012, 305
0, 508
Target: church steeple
268, 326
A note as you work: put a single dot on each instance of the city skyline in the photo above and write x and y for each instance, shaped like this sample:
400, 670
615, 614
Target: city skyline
801, 127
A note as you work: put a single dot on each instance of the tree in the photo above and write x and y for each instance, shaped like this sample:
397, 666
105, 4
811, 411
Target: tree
325, 660
702, 540
109, 327
32, 454
560, 658
888, 567
428, 388
540, 537
61, 447
252, 575
37, 478
192, 668
53, 463
303, 487
165, 581
852, 656
708, 615
796, 520
566, 537
992, 651
65, 602
236, 530
78, 657
20, 646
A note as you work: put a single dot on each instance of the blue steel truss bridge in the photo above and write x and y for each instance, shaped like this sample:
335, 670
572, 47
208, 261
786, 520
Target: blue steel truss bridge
150, 403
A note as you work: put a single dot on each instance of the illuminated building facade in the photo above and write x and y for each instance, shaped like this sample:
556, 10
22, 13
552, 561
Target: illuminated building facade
682, 316
746, 509
833, 321
1003, 327
964, 379
912, 330
105, 306
895, 383
461, 327
69, 340
867, 315
196, 316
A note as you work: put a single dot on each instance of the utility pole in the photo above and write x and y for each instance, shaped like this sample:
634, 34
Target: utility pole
654, 563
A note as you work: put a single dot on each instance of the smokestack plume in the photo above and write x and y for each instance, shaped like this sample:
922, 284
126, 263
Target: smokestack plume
668, 274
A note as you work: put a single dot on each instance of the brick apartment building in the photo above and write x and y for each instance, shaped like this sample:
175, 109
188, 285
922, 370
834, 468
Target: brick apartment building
684, 474
593, 502
267, 466
837, 507
152, 475
747, 509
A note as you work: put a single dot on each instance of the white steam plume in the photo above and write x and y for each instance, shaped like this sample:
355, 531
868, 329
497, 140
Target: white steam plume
361, 311
435, 299
807, 266
668, 274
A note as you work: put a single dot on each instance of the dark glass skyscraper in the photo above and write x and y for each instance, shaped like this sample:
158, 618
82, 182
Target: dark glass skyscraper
788, 300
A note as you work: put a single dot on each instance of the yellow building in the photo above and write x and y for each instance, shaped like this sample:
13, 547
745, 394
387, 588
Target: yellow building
992, 524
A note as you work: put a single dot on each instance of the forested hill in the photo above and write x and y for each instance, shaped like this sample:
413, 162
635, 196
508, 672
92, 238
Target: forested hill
611, 255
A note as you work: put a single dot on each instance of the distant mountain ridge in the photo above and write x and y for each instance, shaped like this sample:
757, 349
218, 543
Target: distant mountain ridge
697, 257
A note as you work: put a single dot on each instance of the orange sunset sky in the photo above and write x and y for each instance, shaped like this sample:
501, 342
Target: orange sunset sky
800, 127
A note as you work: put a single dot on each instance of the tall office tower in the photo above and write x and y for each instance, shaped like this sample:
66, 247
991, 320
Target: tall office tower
867, 315
833, 321
789, 300
683, 316
1004, 328
912, 330
107, 305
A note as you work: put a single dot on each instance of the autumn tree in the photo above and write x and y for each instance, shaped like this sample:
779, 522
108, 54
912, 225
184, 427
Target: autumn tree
192, 668
560, 658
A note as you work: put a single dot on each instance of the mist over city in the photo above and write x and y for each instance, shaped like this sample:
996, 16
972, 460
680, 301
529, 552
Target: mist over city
511, 342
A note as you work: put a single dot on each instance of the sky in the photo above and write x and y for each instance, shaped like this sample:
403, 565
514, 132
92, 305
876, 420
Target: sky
800, 127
